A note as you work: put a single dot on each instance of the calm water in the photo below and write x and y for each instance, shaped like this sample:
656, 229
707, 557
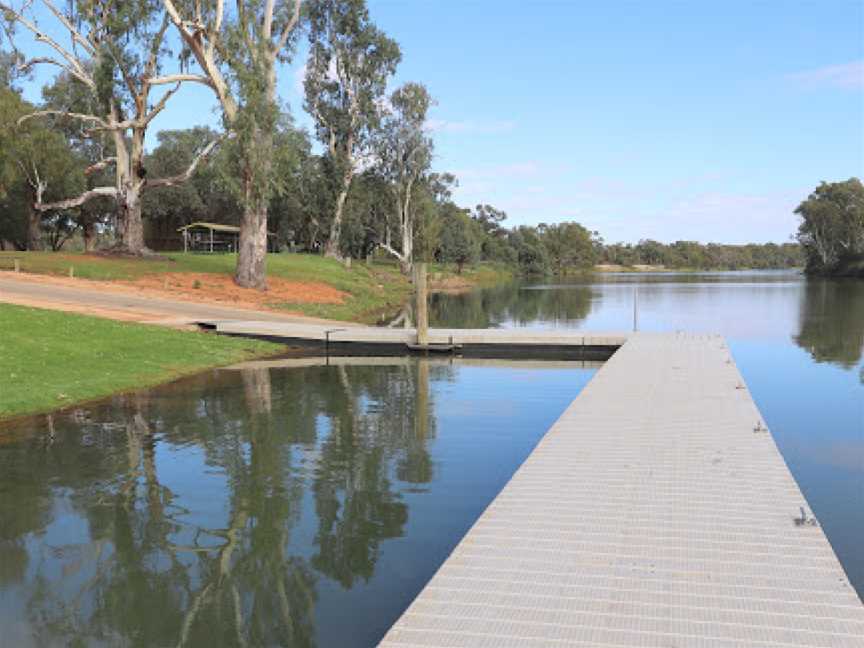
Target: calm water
292, 505
798, 344
300, 504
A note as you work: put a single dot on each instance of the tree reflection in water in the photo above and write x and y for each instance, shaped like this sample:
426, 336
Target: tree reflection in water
832, 322
148, 553
510, 303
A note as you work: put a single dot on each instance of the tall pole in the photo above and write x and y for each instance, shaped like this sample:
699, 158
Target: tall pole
422, 308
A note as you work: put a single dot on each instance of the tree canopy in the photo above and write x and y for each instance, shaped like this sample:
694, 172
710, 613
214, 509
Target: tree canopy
832, 226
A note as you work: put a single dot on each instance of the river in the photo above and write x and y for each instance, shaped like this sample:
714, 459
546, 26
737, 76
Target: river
305, 502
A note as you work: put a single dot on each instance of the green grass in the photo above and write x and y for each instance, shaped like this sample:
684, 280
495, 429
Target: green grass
484, 274
50, 359
372, 290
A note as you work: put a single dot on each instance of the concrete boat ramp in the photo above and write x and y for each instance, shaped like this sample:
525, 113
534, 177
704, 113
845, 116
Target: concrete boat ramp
657, 511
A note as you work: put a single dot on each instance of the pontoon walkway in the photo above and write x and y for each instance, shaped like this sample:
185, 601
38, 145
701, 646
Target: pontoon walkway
657, 511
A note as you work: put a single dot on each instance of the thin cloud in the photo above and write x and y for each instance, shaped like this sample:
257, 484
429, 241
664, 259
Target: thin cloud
498, 171
470, 127
849, 76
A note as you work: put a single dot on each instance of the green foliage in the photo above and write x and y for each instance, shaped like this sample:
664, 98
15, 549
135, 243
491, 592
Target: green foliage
50, 359
460, 239
690, 255
367, 214
404, 153
832, 226
350, 62
184, 203
569, 245
35, 160
531, 255
126, 34
8, 69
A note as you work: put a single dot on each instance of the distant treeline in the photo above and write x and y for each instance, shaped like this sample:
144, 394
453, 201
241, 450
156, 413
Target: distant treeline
711, 256
299, 218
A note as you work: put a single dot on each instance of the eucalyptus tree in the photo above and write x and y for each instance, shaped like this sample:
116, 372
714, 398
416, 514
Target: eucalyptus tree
368, 211
404, 152
832, 225
65, 93
238, 58
460, 241
35, 163
168, 208
8, 69
569, 245
350, 62
116, 51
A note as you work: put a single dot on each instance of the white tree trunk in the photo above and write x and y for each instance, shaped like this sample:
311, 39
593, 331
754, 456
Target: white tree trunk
332, 247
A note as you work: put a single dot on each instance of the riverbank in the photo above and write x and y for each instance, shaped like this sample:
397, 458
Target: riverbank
846, 269
50, 359
614, 267
448, 278
301, 284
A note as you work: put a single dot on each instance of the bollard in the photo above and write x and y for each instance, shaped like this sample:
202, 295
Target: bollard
17, 265
422, 304
71, 272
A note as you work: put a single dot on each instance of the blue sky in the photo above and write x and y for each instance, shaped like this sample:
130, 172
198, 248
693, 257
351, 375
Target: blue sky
666, 120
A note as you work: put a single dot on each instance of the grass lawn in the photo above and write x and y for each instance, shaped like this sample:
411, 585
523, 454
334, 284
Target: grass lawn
372, 290
50, 359
485, 274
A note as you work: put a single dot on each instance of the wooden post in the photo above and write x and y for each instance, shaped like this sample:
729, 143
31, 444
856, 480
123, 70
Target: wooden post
185, 241
17, 265
71, 272
211, 241
422, 306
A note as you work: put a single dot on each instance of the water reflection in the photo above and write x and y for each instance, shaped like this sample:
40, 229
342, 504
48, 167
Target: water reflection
824, 317
512, 304
832, 322
251, 507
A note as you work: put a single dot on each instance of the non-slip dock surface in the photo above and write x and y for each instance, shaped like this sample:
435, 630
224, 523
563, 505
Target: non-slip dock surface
376, 336
655, 512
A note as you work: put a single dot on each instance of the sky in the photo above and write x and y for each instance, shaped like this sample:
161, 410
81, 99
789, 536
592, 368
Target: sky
705, 121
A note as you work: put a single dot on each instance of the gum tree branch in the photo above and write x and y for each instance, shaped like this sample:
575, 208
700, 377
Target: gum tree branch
69, 203
180, 178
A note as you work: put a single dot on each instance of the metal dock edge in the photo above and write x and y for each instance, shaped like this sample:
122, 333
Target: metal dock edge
480, 343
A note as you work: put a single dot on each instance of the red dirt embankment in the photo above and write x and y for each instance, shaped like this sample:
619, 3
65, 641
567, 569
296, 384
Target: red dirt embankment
192, 288
204, 287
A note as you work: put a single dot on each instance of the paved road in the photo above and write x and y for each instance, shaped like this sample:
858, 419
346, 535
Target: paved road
130, 306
